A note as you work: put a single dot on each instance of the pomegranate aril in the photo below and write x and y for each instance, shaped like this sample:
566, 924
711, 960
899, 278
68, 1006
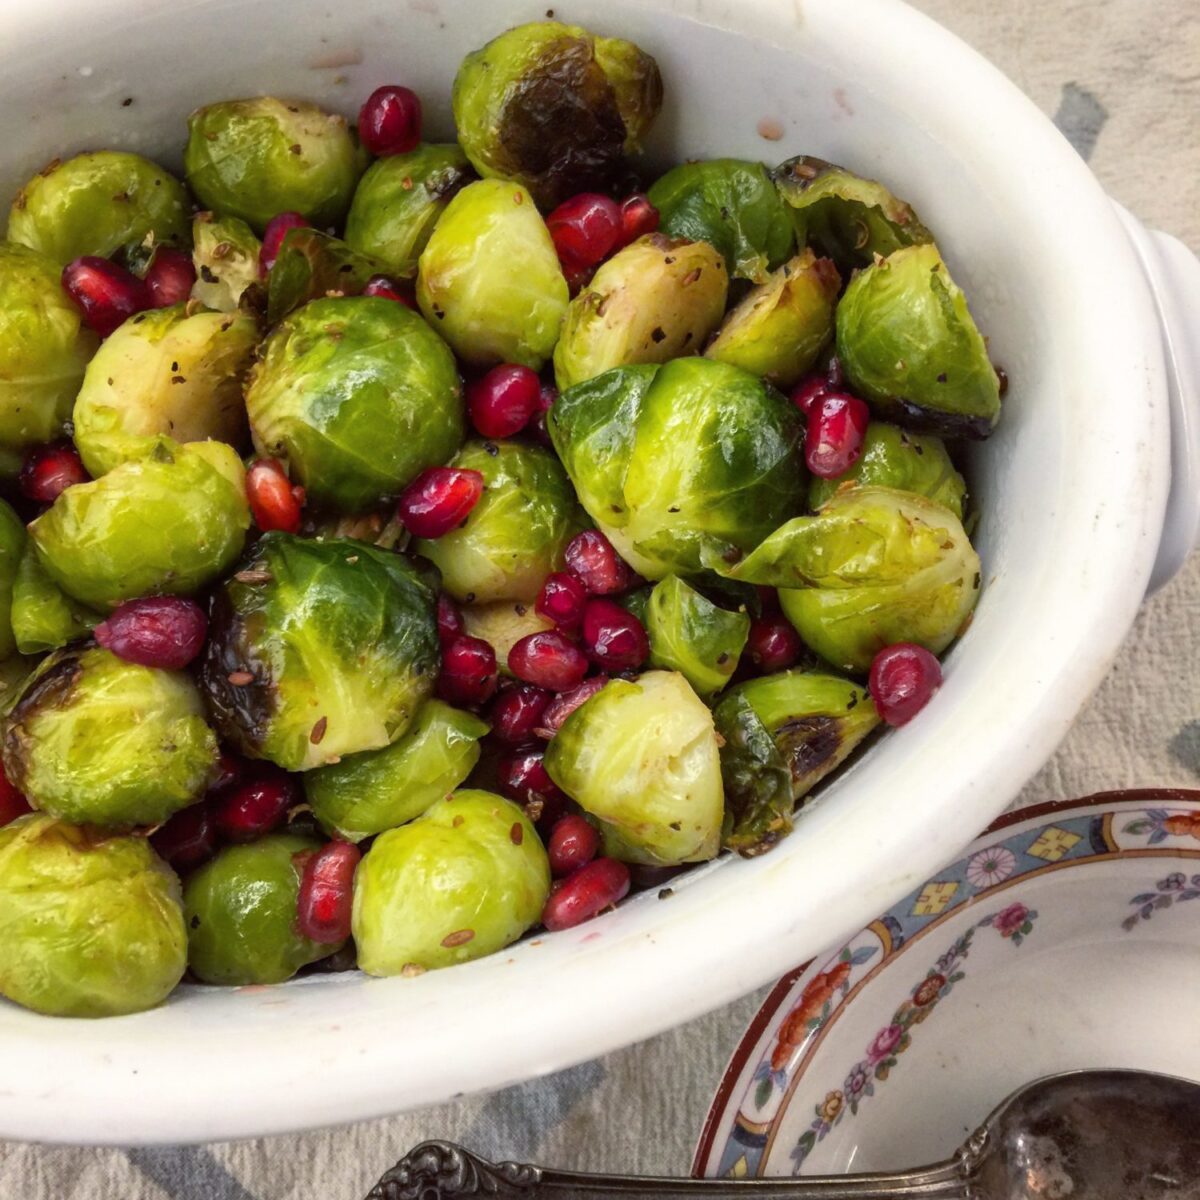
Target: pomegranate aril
837, 424
593, 888
106, 294
327, 893
155, 631
585, 229
230, 770
561, 600
386, 288
468, 674
12, 800
592, 557
523, 777
254, 808
273, 500
389, 121
808, 391
48, 471
278, 227
516, 713
537, 426
502, 401
548, 660
563, 705
188, 838
638, 217
170, 277
439, 500
902, 681
574, 842
613, 637
773, 645
451, 625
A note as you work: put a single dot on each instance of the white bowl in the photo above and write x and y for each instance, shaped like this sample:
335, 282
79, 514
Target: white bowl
1073, 487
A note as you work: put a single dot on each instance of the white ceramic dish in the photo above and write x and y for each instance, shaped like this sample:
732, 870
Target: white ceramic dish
1073, 516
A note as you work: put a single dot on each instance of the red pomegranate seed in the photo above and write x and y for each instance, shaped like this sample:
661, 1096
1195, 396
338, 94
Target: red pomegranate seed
256, 807
773, 645
902, 681
155, 631
438, 500
387, 289
516, 713
593, 888
548, 660
573, 843
326, 893
503, 401
389, 121
468, 674
837, 424
451, 625
808, 391
230, 770
188, 838
537, 426
107, 294
278, 227
49, 470
273, 501
522, 777
12, 801
562, 706
585, 228
561, 600
591, 556
638, 218
170, 277
613, 637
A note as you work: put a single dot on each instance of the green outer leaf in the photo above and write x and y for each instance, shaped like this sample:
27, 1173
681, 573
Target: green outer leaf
44, 617
311, 265
691, 635
12, 552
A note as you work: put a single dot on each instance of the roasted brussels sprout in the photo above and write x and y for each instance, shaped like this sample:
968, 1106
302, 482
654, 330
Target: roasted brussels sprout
843, 216
516, 534
241, 913
169, 522
225, 253
164, 372
651, 302
732, 205
254, 158
897, 458
642, 757
359, 395
555, 108
875, 566
365, 794
100, 741
489, 280
781, 734
44, 617
319, 649
462, 881
399, 200
100, 203
311, 265
908, 344
680, 461
691, 635
12, 550
782, 325
92, 922
502, 625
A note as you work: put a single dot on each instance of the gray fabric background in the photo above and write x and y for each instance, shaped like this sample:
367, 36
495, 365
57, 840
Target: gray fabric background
1122, 80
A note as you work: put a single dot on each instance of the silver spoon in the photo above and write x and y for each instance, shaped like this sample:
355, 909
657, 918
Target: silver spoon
1082, 1135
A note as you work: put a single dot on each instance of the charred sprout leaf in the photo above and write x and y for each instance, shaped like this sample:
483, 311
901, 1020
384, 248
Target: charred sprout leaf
311, 265
502, 625
44, 617
225, 253
691, 635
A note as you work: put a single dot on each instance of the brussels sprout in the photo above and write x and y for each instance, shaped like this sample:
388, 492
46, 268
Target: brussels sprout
399, 200
14, 671
44, 348
781, 326
311, 265
908, 344
732, 205
516, 534
651, 302
675, 462
359, 395
43, 616
226, 257
780, 735
241, 913
164, 372
254, 158
169, 522
319, 649
100, 741
875, 566
502, 625
637, 601
92, 923
897, 458
100, 203
12, 550
462, 881
555, 108
365, 794
843, 216
691, 635
489, 280
642, 757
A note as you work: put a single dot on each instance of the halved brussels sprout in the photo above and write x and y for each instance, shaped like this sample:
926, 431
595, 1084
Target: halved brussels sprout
241, 914
100, 741
732, 205
399, 200
254, 158
101, 203
12, 550
359, 395
169, 522
652, 301
44, 348
319, 649
462, 881
311, 265
44, 617
489, 280
844, 216
14, 671
781, 734
908, 344
365, 794
92, 922
691, 635
225, 254
898, 458
642, 757
781, 326
516, 534
675, 462
164, 373
555, 108
502, 625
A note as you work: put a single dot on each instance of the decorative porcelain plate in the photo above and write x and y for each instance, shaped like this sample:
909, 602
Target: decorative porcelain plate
1065, 937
